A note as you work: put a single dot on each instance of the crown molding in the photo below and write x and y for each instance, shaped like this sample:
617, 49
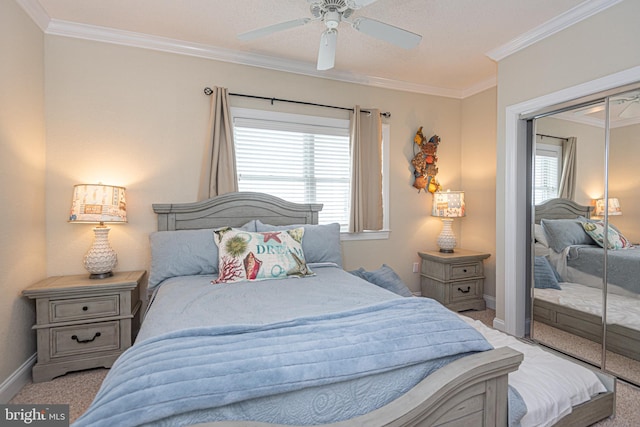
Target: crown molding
479, 87
554, 25
145, 41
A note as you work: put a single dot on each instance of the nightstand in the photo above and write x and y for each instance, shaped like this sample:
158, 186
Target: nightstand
456, 279
84, 323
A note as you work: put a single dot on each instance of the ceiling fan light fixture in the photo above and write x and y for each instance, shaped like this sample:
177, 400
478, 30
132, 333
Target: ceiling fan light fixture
332, 19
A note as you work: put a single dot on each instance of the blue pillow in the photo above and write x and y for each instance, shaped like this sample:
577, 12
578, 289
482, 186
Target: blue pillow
386, 278
565, 232
544, 275
321, 243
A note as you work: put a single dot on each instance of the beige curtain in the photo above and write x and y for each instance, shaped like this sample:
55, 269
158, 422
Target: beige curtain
218, 174
366, 171
567, 188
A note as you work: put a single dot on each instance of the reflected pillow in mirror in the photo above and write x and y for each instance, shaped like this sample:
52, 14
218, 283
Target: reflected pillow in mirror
615, 239
565, 232
544, 275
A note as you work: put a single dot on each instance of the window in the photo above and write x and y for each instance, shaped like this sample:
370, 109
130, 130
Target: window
547, 172
303, 159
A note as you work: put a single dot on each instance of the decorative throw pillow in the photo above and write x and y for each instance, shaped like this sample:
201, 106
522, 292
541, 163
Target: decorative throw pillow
564, 232
615, 239
245, 255
544, 275
321, 242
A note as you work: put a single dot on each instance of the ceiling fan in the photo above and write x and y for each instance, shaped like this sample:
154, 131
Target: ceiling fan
332, 13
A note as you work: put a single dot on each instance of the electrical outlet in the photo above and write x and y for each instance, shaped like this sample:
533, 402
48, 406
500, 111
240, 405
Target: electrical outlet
415, 267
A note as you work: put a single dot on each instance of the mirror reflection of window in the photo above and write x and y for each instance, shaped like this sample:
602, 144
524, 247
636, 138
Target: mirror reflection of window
547, 170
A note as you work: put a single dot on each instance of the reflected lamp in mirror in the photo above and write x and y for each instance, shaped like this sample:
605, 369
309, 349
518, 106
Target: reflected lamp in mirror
99, 204
448, 205
612, 209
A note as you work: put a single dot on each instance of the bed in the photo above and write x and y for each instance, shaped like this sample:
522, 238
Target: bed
575, 303
325, 347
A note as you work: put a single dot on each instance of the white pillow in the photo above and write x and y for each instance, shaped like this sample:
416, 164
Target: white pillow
540, 236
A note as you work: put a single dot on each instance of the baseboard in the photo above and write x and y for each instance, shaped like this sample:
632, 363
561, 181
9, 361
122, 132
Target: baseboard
490, 301
21, 377
499, 324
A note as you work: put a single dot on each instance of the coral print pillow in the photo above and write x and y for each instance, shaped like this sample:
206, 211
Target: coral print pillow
615, 239
245, 255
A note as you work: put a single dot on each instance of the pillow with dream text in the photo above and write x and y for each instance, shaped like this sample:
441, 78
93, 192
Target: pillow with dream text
265, 255
321, 242
184, 253
615, 239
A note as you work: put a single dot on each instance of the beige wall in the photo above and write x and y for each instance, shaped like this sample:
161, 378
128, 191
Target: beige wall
478, 169
138, 118
624, 179
22, 166
599, 46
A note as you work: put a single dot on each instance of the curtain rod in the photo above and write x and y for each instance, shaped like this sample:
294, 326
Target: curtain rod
209, 91
551, 136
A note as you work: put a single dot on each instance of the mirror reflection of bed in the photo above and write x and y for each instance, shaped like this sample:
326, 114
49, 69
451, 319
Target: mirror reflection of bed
568, 296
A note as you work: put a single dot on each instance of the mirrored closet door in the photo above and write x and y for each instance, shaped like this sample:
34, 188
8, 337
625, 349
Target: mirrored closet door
585, 197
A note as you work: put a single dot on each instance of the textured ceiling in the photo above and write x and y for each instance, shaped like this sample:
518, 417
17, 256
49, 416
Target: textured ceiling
457, 34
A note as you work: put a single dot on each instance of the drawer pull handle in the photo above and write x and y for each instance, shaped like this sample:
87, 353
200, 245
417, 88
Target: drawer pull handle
85, 308
79, 341
465, 270
465, 292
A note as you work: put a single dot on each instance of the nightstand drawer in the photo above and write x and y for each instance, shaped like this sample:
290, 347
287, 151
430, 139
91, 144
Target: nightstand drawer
470, 289
84, 308
462, 271
83, 339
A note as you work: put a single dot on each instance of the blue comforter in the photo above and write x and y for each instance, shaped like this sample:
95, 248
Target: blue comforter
623, 265
197, 370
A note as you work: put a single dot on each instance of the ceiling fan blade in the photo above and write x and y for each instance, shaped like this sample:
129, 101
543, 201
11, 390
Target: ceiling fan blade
631, 110
327, 52
357, 4
389, 33
265, 31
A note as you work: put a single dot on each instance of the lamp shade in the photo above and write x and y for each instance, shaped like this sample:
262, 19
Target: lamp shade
98, 203
613, 209
448, 204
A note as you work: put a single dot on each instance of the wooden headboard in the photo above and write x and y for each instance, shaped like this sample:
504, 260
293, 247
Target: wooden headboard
234, 210
561, 209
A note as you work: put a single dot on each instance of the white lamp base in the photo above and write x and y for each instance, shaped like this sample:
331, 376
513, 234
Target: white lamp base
101, 259
446, 239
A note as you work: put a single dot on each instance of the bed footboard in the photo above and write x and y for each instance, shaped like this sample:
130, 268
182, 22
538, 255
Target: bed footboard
468, 391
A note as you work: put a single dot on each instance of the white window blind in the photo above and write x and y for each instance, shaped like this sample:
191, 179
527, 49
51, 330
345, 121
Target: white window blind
302, 159
547, 172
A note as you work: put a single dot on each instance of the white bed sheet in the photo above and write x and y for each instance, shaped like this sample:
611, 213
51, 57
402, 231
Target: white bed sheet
549, 384
623, 310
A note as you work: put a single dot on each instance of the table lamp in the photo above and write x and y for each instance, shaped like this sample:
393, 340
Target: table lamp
613, 208
448, 205
98, 203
